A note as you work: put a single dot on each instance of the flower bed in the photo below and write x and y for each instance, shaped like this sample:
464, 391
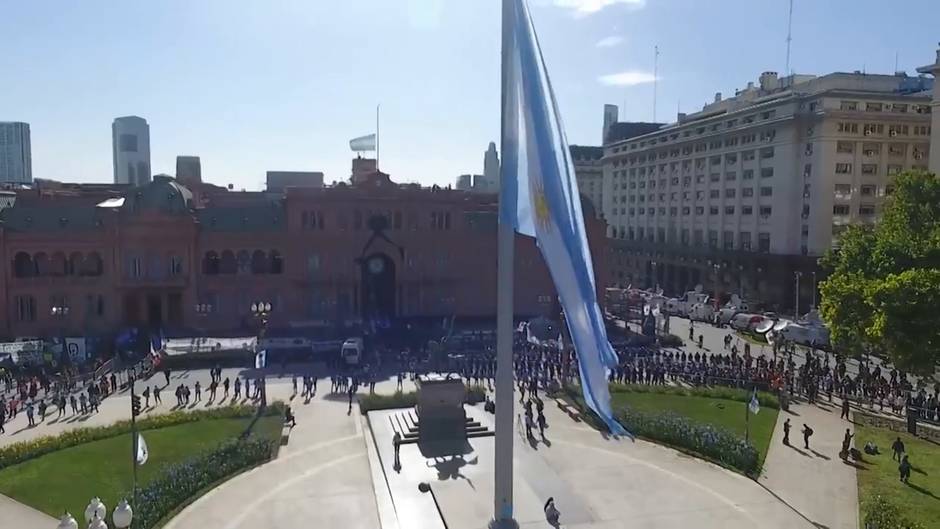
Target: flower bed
180, 484
408, 399
26, 450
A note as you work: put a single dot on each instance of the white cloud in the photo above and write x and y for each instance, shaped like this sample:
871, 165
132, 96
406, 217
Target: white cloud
609, 42
628, 78
587, 7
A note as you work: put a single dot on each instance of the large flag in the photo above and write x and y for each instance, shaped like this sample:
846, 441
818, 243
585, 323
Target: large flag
261, 359
143, 454
540, 197
363, 143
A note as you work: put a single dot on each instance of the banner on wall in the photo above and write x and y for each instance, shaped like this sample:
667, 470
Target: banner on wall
76, 350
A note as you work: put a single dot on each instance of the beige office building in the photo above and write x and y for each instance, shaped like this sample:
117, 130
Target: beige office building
589, 172
748, 192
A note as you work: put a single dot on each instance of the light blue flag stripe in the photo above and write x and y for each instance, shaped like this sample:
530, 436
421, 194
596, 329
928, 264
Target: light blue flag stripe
548, 206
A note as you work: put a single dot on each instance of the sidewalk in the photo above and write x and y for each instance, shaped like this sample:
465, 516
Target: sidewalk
816, 482
23, 517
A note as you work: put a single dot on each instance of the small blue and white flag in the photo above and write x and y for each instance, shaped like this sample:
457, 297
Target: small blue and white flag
539, 196
143, 453
754, 406
261, 359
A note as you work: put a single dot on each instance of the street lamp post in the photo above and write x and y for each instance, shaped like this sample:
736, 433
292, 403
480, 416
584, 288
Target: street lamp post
96, 513
814, 289
60, 313
262, 311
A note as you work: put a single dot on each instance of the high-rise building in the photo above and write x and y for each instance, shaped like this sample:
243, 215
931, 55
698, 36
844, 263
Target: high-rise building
934, 69
16, 164
188, 170
130, 143
465, 182
491, 170
740, 196
589, 172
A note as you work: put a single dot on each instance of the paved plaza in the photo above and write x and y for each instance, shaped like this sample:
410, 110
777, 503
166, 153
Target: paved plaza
336, 472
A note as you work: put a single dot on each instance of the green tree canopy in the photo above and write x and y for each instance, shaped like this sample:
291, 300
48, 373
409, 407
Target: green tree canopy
883, 289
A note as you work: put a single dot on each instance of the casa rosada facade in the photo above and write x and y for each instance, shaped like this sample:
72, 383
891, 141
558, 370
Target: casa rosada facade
92, 259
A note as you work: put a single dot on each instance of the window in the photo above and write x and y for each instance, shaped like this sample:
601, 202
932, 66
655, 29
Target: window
747, 210
873, 128
729, 210
731, 176
766, 172
846, 147
768, 135
894, 169
176, 265
848, 128
712, 210
747, 156
899, 107
866, 210
730, 193
744, 240
768, 115
896, 149
843, 168
840, 209
714, 193
747, 192
697, 237
699, 195
873, 107
898, 130
731, 158
766, 191
686, 210
763, 242
684, 237
94, 305
699, 210
869, 168
848, 105
127, 143
727, 240
868, 191
747, 174
765, 211
889, 190
843, 190
714, 177
25, 308
713, 238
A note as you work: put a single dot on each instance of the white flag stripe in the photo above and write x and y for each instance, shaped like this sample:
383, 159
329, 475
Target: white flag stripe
143, 454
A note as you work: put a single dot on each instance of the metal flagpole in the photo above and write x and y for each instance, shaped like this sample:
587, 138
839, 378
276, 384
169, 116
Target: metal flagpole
504, 305
134, 446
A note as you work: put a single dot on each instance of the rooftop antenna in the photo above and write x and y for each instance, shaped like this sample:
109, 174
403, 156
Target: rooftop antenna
896, 62
655, 77
789, 35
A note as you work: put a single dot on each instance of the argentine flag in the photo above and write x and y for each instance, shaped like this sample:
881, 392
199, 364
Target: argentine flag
539, 196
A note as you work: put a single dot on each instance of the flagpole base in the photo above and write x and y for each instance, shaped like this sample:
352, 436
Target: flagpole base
504, 524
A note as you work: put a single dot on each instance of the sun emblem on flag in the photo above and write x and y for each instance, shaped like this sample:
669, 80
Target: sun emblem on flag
542, 212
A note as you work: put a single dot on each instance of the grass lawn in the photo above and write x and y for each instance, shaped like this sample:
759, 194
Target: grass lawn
69, 478
919, 500
724, 413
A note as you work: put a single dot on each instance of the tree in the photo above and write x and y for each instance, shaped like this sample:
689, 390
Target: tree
883, 289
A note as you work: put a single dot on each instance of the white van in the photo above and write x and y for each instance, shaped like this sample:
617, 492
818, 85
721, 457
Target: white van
352, 351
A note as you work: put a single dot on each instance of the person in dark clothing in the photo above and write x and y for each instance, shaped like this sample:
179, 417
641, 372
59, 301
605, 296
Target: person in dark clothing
807, 433
846, 443
897, 449
396, 442
166, 376
786, 432
904, 469
845, 408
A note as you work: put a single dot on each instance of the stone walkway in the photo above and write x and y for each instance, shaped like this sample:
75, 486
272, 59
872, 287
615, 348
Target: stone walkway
816, 482
24, 517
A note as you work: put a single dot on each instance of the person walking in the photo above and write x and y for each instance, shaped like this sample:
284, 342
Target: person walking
552, 515
225, 385
30, 413
845, 407
846, 443
396, 443
351, 392
904, 469
166, 376
146, 395
786, 432
897, 449
807, 433
156, 395
541, 423
238, 389
198, 392
73, 403
3, 417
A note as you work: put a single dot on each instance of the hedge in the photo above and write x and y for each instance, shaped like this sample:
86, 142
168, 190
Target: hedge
179, 484
670, 340
25, 450
766, 400
709, 442
882, 514
409, 399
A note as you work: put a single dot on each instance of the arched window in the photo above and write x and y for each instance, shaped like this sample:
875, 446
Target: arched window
23, 265
92, 265
244, 262
259, 262
227, 264
210, 264
74, 265
277, 262
58, 266
41, 262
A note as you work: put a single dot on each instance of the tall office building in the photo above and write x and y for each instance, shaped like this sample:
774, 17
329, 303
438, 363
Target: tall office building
465, 182
16, 164
491, 170
589, 172
188, 170
754, 188
130, 142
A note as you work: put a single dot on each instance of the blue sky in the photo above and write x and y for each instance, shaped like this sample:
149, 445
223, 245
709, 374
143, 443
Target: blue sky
252, 86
